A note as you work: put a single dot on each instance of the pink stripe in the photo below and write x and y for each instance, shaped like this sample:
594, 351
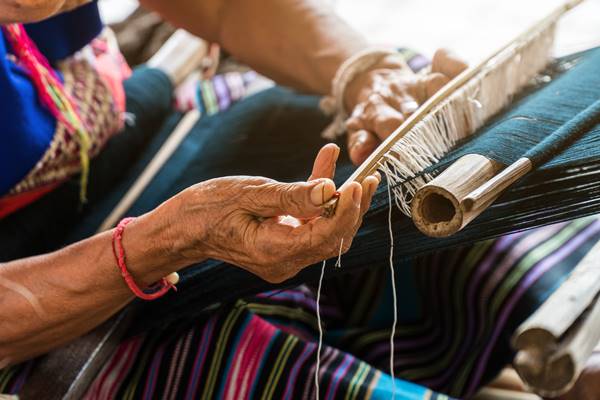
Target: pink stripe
124, 370
293, 377
327, 357
239, 361
260, 343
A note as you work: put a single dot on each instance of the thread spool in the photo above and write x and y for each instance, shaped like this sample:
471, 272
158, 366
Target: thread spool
438, 208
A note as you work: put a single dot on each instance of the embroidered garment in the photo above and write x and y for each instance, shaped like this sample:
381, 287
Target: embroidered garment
38, 152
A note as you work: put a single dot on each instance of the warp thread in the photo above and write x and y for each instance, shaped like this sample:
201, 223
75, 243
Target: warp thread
394, 293
320, 326
338, 264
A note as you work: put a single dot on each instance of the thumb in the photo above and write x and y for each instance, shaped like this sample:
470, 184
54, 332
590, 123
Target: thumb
300, 200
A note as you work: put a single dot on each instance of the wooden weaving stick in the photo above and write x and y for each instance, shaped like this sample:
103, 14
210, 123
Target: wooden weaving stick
557, 340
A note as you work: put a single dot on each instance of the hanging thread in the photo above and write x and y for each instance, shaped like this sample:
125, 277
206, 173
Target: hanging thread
320, 345
394, 294
338, 263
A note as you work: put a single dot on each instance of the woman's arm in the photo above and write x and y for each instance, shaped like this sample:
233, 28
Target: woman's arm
296, 42
302, 43
34, 10
48, 300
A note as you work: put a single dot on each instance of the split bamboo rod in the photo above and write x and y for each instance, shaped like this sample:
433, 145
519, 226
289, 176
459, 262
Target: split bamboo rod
557, 340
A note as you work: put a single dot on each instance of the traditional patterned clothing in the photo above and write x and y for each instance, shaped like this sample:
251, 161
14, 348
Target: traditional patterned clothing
38, 150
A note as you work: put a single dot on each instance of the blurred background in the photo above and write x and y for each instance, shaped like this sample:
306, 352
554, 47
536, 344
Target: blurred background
472, 28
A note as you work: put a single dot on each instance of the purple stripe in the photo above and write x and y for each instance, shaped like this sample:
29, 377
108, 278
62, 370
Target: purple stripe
207, 333
539, 270
293, 377
18, 384
235, 84
154, 367
221, 92
472, 329
337, 377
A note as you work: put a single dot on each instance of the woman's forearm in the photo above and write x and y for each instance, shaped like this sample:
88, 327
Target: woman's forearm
296, 42
48, 300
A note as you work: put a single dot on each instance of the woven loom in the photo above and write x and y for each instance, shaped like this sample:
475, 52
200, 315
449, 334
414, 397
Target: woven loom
565, 188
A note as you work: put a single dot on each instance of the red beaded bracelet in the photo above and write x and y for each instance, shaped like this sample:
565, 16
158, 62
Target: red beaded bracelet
157, 290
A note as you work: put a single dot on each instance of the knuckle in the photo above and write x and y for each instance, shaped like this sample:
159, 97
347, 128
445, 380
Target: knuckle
354, 123
289, 196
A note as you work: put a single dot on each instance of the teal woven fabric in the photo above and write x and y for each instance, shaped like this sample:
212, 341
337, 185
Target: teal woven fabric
536, 116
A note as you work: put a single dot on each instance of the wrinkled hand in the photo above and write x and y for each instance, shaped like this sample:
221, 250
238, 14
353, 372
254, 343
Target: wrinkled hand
383, 97
269, 228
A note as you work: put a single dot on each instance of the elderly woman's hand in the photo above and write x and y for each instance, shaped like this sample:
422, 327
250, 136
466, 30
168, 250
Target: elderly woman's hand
383, 97
269, 228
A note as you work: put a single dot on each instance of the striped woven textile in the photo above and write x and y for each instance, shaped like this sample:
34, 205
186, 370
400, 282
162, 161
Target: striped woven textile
214, 95
458, 309
469, 302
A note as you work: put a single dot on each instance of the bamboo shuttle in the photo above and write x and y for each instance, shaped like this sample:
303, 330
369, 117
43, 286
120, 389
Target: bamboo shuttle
462, 192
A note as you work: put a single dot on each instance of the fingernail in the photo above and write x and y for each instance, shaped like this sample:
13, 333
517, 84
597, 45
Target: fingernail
409, 107
321, 193
357, 195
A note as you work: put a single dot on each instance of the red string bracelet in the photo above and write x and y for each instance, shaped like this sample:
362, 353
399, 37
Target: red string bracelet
157, 290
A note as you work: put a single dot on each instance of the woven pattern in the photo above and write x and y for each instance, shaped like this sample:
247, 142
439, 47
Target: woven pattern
98, 114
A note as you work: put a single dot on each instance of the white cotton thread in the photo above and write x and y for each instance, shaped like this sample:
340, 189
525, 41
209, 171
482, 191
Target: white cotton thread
320, 345
394, 294
338, 263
